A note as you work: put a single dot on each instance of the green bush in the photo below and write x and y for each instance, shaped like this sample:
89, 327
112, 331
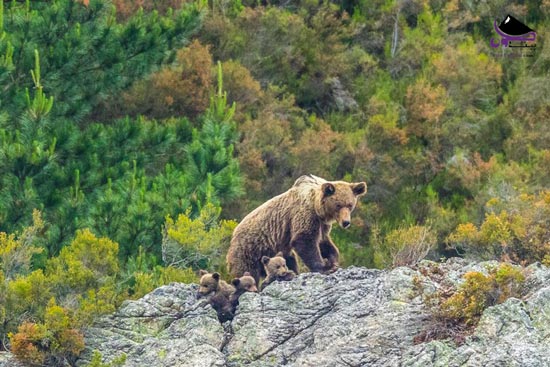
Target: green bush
455, 312
404, 246
199, 243
480, 291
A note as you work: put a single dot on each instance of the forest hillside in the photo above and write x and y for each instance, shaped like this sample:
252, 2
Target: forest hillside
135, 135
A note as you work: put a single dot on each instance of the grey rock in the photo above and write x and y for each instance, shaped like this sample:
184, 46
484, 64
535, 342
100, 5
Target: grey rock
167, 327
353, 317
8, 360
341, 98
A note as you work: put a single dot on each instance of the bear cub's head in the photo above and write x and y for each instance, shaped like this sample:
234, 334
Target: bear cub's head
338, 199
275, 267
209, 284
246, 283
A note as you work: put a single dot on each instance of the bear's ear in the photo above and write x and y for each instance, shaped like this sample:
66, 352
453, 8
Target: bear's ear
359, 189
246, 274
328, 189
202, 272
216, 276
265, 260
279, 254
236, 282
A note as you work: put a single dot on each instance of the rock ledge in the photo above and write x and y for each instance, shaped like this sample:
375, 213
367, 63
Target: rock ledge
354, 317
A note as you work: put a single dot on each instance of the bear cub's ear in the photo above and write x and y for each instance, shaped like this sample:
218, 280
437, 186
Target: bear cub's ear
236, 281
202, 272
265, 260
359, 189
328, 189
216, 276
279, 254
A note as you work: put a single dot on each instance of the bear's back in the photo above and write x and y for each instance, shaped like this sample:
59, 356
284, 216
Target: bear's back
271, 221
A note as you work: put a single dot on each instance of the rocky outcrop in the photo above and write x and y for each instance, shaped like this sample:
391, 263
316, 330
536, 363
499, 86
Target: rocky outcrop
354, 317
341, 98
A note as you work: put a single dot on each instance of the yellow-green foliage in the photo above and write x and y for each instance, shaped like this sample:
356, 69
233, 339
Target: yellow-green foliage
28, 295
85, 280
480, 291
2, 299
404, 246
94, 303
51, 341
197, 243
146, 282
86, 263
519, 233
16, 251
96, 361
82, 278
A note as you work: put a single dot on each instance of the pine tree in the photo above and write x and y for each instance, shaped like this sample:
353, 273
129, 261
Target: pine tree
212, 169
87, 56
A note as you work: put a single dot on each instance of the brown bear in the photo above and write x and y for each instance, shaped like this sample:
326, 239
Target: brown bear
276, 270
246, 283
299, 219
217, 293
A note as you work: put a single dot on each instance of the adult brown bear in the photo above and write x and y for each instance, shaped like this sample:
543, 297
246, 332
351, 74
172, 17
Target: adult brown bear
299, 220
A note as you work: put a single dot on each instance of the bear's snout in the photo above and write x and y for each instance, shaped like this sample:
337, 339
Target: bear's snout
344, 217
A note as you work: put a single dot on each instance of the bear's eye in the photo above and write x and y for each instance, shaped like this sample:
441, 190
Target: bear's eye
278, 266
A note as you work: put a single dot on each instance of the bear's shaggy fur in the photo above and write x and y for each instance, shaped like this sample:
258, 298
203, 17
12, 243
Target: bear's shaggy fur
299, 219
276, 270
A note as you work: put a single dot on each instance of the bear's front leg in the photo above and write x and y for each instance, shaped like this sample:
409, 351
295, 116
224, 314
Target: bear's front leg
328, 249
291, 262
307, 247
330, 252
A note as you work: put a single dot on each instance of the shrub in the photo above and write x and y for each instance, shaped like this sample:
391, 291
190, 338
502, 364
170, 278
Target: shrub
180, 90
53, 341
403, 246
115, 362
456, 313
86, 263
480, 291
519, 233
197, 243
24, 343
16, 252
146, 282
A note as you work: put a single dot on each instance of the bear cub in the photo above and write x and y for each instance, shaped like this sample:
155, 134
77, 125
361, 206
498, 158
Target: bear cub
276, 270
246, 283
217, 293
223, 297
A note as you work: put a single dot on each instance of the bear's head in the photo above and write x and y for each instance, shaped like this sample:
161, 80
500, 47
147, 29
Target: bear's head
208, 284
246, 283
338, 199
275, 266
